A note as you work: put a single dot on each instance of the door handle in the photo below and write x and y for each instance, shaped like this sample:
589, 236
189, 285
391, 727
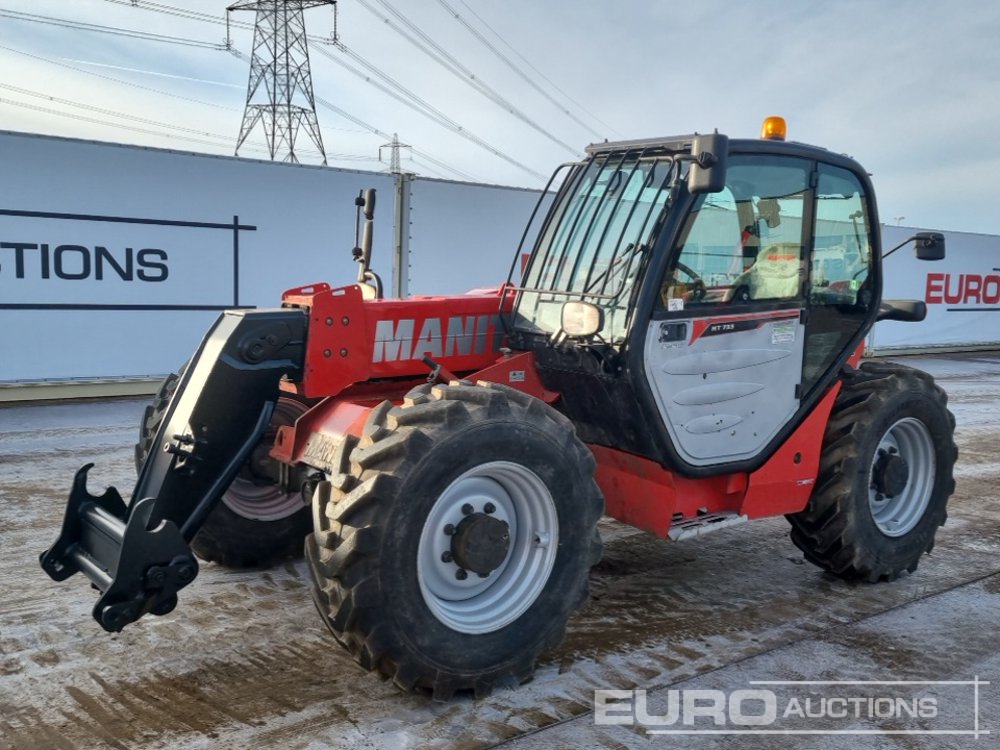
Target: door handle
673, 332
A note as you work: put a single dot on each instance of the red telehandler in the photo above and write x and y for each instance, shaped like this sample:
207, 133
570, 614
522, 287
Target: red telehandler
682, 353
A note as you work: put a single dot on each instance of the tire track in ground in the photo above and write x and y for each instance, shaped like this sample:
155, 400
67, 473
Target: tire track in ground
643, 627
872, 648
255, 690
243, 692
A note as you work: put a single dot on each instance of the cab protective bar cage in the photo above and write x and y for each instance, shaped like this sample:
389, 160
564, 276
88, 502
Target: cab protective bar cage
619, 157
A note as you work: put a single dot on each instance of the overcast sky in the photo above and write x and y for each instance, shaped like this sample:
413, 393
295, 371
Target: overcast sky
911, 88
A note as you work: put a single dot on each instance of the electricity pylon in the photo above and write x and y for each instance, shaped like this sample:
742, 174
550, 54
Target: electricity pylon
280, 93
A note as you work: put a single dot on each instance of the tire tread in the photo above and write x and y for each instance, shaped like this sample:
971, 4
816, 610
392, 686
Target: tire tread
824, 530
344, 564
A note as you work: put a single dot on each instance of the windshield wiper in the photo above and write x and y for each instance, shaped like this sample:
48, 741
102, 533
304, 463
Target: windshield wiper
631, 250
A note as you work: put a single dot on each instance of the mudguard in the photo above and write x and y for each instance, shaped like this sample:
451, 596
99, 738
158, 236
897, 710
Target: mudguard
137, 555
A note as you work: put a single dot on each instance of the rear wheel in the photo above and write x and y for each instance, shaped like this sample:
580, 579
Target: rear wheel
885, 475
256, 524
457, 540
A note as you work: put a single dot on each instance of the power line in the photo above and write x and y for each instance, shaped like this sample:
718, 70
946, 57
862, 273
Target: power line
120, 81
172, 10
525, 60
103, 111
402, 94
450, 63
193, 15
225, 140
151, 89
423, 154
142, 120
373, 129
82, 118
103, 29
426, 168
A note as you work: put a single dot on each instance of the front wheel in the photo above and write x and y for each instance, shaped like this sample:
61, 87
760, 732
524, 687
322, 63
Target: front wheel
886, 473
457, 541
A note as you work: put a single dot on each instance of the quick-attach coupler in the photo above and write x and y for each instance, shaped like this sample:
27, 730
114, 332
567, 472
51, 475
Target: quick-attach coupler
137, 570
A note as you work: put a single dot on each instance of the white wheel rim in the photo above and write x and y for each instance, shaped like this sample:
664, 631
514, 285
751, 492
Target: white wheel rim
267, 502
910, 439
474, 604
261, 503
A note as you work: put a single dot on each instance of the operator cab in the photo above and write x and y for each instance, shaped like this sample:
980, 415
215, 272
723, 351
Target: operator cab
692, 297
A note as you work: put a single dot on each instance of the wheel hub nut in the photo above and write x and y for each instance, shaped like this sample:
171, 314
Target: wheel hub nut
480, 543
891, 474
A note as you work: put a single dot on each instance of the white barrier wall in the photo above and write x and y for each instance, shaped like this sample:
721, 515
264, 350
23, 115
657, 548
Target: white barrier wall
962, 293
465, 236
114, 260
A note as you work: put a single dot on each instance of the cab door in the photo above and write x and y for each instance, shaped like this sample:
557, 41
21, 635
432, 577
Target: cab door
725, 345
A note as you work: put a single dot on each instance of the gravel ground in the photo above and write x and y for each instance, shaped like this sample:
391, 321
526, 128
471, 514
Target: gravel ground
244, 661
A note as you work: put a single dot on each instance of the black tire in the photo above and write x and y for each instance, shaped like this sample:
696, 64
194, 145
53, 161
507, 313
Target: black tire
838, 529
227, 537
366, 550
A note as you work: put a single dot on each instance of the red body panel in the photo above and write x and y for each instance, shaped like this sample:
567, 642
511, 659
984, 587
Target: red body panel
855, 359
785, 483
319, 432
362, 352
642, 493
354, 340
518, 371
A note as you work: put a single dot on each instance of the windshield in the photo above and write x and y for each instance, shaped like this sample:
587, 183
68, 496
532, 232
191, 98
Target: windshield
595, 240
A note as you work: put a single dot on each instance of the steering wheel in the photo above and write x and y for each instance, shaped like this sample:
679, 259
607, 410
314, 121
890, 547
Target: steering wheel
698, 288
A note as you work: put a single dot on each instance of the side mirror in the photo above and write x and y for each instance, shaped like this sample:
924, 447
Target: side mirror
708, 170
581, 320
929, 245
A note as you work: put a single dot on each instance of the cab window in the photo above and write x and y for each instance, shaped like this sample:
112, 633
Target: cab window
841, 261
840, 288
746, 243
